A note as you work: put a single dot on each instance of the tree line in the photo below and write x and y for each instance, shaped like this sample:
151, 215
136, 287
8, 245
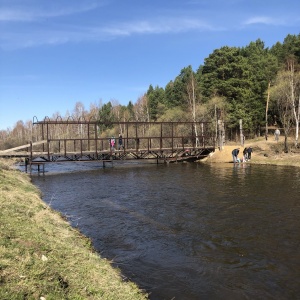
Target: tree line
254, 83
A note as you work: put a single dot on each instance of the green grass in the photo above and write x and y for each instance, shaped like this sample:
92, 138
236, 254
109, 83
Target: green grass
41, 255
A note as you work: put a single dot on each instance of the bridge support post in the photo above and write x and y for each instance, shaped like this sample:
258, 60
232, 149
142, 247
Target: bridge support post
26, 164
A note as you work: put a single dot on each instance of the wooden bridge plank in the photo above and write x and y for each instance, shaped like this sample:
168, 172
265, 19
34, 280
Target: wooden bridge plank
23, 147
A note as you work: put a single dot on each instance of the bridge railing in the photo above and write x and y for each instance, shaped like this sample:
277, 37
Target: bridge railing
130, 143
90, 135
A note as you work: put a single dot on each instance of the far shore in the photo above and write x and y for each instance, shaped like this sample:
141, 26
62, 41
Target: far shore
268, 152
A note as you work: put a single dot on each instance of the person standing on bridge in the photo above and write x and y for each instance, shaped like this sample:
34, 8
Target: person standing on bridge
120, 142
112, 143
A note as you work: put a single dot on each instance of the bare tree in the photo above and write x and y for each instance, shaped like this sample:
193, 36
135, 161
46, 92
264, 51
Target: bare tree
192, 102
18, 133
294, 89
281, 93
141, 110
94, 111
267, 108
79, 113
28, 131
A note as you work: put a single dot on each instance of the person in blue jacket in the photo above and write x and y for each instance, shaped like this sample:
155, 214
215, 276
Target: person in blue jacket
235, 153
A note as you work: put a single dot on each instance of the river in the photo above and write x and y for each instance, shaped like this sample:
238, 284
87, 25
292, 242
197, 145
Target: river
188, 230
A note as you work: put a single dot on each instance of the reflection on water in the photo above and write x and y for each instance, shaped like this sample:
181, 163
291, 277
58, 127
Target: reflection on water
189, 231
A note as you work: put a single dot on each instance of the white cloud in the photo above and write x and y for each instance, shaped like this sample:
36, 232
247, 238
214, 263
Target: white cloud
61, 34
263, 20
171, 25
46, 10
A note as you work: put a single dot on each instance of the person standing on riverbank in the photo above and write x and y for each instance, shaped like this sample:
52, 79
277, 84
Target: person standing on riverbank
245, 154
235, 153
277, 134
249, 151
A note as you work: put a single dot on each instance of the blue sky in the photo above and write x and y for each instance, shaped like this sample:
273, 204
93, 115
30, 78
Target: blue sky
54, 53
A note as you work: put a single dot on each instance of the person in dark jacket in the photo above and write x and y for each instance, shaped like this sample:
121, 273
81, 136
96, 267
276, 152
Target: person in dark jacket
120, 142
245, 154
249, 150
235, 153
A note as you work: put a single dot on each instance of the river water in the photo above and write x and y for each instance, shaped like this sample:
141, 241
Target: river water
188, 230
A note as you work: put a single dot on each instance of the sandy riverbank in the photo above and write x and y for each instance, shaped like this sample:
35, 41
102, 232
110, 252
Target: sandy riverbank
264, 152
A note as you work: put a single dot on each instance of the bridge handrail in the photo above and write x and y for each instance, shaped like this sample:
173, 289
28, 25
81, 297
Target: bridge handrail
97, 122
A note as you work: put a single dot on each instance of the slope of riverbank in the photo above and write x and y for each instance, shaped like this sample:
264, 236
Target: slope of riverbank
267, 152
43, 257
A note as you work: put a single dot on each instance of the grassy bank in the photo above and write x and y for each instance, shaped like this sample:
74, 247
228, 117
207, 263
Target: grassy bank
43, 257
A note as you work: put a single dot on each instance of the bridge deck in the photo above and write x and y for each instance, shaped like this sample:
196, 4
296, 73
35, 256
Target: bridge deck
11, 150
136, 153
